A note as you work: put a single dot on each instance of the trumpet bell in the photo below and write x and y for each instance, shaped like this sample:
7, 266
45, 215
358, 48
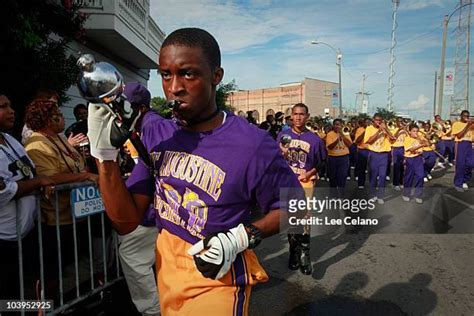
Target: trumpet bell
434, 139
98, 82
437, 127
285, 139
447, 125
346, 130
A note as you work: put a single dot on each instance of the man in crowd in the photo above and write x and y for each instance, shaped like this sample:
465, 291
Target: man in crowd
398, 152
378, 137
304, 154
136, 248
463, 133
205, 260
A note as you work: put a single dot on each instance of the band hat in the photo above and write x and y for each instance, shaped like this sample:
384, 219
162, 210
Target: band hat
137, 93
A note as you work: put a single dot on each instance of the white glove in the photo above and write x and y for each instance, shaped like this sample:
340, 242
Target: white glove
215, 254
100, 121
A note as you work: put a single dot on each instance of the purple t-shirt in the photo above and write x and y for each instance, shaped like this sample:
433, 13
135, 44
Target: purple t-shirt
306, 150
206, 182
150, 117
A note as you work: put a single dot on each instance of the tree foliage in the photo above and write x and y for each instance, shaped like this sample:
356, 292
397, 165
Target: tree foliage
158, 104
386, 114
34, 35
223, 92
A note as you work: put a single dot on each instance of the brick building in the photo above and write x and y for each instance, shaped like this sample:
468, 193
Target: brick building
316, 94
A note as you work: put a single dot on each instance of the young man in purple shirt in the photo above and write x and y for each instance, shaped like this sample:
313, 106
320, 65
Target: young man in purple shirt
304, 154
209, 167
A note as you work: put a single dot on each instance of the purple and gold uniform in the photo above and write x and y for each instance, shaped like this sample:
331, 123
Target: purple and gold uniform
338, 160
464, 154
414, 170
306, 151
429, 157
205, 183
377, 160
397, 157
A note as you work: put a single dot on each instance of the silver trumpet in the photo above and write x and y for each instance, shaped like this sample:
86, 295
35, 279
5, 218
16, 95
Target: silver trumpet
99, 82
102, 84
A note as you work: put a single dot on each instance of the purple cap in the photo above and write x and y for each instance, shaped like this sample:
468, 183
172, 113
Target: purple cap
137, 93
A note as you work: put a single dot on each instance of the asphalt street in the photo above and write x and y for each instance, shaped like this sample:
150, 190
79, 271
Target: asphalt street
417, 261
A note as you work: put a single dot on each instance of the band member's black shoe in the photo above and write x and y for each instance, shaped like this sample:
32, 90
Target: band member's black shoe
305, 261
294, 260
304, 257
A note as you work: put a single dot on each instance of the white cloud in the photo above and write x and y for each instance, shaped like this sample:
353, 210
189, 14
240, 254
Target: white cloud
265, 42
260, 3
419, 4
419, 103
234, 28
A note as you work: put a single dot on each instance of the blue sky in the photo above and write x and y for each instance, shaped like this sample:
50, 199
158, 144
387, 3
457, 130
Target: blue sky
267, 42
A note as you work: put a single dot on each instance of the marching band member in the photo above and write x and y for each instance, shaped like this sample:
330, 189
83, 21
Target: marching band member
362, 153
462, 130
446, 144
338, 146
352, 149
398, 154
414, 172
322, 171
303, 155
428, 154
378, 138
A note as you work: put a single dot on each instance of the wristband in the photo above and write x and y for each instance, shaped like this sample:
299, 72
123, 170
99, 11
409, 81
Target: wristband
254, 235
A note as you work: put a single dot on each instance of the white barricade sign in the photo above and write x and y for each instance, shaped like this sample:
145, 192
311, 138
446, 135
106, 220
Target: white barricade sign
86, 201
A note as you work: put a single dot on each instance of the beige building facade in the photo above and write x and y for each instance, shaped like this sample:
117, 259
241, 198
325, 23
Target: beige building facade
316, 94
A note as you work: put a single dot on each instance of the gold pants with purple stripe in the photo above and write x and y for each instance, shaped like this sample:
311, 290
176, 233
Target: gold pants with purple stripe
184, 291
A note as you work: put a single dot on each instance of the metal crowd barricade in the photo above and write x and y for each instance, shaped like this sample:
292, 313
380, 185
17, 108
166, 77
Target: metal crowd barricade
107, 281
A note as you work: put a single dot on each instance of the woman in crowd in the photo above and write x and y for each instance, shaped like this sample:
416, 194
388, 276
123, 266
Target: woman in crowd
17, 187
54, 156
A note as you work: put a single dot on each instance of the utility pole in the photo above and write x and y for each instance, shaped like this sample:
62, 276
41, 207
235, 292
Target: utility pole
392, 55
362, 93
339, 60
441, 71
434, 96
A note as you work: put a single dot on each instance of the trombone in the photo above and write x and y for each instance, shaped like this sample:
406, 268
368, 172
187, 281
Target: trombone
429, 140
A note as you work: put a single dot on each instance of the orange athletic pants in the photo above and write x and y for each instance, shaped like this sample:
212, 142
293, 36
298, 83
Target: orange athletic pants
184, 291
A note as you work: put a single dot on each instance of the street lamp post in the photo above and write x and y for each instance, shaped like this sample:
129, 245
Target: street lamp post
338, 63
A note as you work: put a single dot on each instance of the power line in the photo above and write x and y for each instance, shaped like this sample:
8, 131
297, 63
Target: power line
399, 44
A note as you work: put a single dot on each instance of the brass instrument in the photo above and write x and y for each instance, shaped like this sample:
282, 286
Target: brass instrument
320, 130
285, 140
346, 130
423, 140
311, 127
447, 126
436, 127
392, 126
433, 138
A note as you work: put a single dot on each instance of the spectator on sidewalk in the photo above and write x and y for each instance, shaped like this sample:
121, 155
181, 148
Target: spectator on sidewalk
137, 248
